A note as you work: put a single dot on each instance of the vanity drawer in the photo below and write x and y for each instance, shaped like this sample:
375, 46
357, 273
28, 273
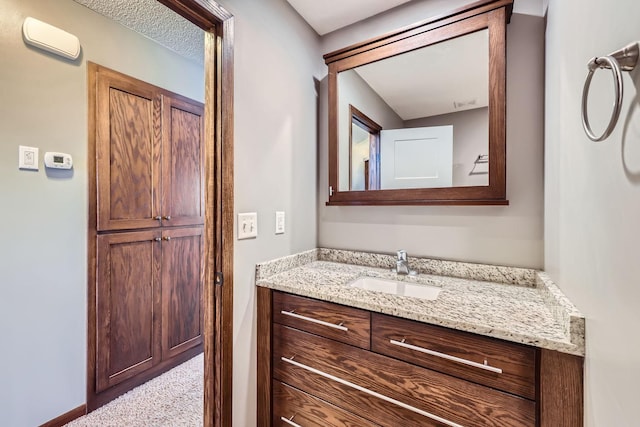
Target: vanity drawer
387, 391
503, 365
302, 409
345, 324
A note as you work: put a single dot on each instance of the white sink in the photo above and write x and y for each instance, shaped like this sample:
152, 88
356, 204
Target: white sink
395, 287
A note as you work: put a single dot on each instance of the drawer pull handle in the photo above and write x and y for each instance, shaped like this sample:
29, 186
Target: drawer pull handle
290, 421
371, 393
319, 322
446, 356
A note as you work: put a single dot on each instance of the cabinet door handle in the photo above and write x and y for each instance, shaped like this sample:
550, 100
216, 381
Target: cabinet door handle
319, 322
167, 238
157, 239
446, 356
168, 217
370, 392
157, 218
290, 421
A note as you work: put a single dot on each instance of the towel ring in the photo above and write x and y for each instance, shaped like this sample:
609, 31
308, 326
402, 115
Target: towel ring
594, 64
624, 59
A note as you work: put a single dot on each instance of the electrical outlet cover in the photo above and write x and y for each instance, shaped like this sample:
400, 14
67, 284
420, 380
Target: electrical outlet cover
279, 222
28, 158
247, 225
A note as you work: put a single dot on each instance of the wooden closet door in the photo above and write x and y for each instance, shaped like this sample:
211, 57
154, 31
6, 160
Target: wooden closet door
182, 293
128, 151
128, 305
183, 161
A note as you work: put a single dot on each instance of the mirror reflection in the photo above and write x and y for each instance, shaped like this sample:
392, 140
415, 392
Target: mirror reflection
417, 120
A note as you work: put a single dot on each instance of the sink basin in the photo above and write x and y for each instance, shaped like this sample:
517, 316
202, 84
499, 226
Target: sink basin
395, 287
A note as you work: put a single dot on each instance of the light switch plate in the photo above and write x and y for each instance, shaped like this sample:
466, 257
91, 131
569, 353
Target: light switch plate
247, 225
28, 158
279, 222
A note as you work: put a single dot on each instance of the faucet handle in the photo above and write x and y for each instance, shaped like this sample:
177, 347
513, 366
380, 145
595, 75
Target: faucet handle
402, 255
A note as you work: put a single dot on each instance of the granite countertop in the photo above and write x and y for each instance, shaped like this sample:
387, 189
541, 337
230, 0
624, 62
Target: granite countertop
515, 304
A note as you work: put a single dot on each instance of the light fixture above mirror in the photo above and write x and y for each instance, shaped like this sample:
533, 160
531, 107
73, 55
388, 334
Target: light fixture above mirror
417, 116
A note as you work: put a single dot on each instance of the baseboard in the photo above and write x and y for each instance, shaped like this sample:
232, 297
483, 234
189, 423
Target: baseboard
66, 418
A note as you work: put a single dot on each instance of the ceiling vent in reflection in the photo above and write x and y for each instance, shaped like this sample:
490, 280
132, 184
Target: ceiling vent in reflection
465, 105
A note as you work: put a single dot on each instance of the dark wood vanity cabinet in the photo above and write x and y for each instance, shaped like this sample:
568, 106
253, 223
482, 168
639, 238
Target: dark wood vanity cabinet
324, 364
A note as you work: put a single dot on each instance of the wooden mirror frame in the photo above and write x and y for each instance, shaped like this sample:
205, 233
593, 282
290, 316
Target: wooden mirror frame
493, 15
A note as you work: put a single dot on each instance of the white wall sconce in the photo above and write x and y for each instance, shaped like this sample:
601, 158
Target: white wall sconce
50, 38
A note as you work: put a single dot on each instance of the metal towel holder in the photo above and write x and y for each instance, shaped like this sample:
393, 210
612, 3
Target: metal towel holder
624, 59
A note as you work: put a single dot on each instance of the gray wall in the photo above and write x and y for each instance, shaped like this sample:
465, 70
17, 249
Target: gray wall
277, 62
43, 256
592, 199
511, 235
470, 139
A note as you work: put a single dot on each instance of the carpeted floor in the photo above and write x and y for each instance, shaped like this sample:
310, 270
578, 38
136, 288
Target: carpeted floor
174, 399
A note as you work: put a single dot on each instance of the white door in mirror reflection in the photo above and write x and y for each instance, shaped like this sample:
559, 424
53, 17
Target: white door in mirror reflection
416, 157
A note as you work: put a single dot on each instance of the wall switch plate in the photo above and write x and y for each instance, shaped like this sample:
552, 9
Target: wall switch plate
28, 158
247, 225
279, 222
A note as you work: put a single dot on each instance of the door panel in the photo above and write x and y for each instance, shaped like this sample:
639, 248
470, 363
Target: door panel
128, 153
183, 152
127, 336
416, 157
131, 148
182, 278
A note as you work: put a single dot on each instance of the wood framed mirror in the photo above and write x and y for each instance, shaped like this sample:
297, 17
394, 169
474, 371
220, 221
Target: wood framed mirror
418, 116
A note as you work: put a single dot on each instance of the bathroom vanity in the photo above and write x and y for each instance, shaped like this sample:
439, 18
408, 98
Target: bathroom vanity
495, 346
343, 340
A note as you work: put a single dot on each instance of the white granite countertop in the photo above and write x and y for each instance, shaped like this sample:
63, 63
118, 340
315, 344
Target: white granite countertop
514, 304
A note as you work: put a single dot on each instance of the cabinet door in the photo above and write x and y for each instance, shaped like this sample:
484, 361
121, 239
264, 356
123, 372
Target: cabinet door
128, 150
183, 161
127, 305
182, 298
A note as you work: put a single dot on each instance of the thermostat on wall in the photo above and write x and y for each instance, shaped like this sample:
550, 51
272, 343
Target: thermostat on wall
58, 160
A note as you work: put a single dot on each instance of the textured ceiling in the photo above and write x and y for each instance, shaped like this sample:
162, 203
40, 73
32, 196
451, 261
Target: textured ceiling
155, 21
